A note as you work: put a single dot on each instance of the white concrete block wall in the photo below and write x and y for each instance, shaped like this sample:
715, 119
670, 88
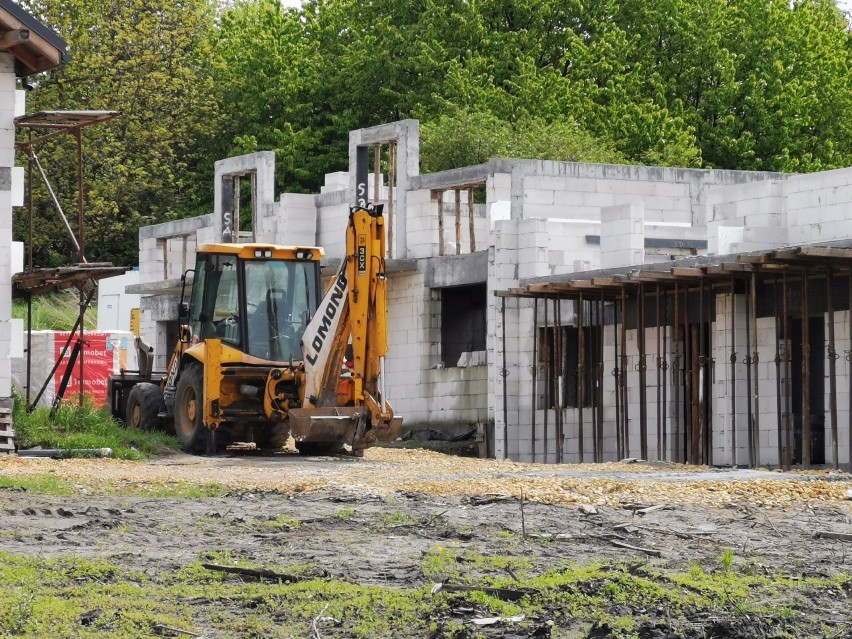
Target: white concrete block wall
9, 103
818, 206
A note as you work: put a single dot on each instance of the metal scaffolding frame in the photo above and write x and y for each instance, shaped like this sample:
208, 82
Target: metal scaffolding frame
35, 281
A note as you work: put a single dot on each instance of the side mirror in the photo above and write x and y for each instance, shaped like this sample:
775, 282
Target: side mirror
183, 311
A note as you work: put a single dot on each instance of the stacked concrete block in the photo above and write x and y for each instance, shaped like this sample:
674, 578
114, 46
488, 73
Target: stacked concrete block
725, 419
844, 371
338, 181
765, 407
498, 187
331, 224
296, 216
622, 235
422, 224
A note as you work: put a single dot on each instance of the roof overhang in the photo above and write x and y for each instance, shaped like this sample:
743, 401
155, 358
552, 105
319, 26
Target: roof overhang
36, 48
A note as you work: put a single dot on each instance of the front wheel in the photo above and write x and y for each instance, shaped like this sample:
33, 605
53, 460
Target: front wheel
145, 404
189, 410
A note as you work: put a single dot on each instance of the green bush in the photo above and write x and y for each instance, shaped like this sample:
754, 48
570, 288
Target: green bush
85, 427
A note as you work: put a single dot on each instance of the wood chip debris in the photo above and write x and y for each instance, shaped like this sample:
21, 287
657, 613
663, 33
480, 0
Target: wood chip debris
383, 472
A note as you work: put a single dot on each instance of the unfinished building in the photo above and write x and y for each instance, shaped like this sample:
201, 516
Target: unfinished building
516, 288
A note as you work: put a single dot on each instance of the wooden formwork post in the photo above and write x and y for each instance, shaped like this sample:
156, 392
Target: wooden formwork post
439, 195
458, 221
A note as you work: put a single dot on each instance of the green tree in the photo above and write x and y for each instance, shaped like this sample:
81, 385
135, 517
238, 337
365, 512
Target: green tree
148, 60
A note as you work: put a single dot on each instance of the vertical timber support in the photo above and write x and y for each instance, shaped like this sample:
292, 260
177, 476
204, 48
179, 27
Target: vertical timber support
391, 179
775, 308
616, 374
832, 367
806, 375
600, 378
676, 373
504, 374
755, 361
458, 221
664, 365
581, 373
440, 197
548, 377
470, 220
747, 361
643, 372
534, 367
788, 391
733, 360
625, 412
659, 373
560, 382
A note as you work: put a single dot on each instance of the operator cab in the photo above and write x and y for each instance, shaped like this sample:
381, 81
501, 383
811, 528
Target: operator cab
256, 298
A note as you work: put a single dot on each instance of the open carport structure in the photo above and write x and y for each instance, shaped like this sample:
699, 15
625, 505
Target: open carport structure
725, 360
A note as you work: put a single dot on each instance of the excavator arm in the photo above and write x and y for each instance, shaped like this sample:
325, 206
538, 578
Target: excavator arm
354, 311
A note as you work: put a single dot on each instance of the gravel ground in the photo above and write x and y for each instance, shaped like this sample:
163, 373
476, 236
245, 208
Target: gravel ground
402, 504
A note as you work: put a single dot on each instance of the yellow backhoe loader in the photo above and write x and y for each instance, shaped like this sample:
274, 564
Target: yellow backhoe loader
260, 356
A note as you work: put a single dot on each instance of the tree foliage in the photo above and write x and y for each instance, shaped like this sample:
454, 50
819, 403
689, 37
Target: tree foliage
146, 59
740, 84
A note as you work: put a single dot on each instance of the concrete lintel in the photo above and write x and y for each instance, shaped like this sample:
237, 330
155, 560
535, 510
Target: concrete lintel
163, 308
384, 133
661, 242
241, 164
452, 178
407, 265
162, 287
457, 270
332, 198
175, 228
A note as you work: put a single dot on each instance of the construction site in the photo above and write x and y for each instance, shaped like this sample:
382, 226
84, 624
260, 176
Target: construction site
652, 367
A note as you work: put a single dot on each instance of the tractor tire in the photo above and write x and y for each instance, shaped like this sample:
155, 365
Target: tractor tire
144, 405
189, 410
272, 436
317, 449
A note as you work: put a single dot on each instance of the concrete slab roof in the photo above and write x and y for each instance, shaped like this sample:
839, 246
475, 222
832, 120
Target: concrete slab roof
692, 271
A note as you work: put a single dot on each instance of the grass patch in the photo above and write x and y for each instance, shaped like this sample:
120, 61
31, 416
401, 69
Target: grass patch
346, 513
44, 484
59, 597
85, 427
53, 485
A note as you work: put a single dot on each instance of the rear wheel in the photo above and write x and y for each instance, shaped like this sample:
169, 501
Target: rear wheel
189, 410
144, 405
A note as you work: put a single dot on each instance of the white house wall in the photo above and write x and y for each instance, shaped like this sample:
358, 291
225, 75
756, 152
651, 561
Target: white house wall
541, 220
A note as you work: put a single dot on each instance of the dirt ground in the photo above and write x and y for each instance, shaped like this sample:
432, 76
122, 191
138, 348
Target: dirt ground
373, 520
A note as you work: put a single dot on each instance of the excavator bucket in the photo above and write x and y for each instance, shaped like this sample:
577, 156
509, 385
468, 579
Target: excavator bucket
342, 425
